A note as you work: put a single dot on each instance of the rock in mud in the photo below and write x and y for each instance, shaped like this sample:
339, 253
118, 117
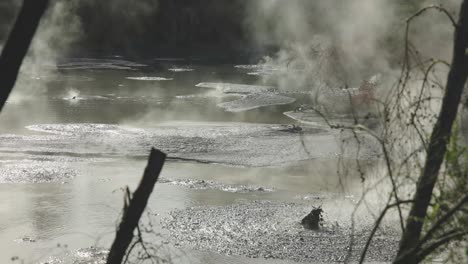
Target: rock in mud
26, 239
293, 128
313, 220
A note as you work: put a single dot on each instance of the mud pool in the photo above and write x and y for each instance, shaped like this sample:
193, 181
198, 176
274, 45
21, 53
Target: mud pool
238, 178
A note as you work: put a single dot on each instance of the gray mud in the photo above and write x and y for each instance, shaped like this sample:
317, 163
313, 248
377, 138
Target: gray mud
29, 171
250, 145
212, 185
272, 230
81, 256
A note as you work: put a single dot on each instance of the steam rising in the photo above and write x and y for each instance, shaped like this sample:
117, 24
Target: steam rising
331, 44
320, 44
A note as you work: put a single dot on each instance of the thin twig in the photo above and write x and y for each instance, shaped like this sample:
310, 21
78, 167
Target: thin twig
376, 226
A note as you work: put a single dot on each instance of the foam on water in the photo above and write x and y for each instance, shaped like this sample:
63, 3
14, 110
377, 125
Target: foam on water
149, 78
311, 117
236, 88
254, 101
260, 69
98, 64
181, 69
212, 185
253, 96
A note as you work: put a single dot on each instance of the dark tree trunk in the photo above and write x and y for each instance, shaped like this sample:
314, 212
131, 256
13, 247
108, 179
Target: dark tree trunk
18, 44
131, 215
438, 143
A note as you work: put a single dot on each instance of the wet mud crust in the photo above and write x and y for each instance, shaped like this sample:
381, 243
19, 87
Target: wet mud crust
272, 230
234, 144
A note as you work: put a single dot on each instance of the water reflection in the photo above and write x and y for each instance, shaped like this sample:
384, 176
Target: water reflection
109, 97
50, 208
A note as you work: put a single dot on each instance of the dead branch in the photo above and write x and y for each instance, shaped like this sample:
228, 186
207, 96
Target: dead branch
376, 226
135, 208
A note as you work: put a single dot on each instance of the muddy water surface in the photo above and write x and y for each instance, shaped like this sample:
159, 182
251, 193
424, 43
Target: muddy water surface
73, 137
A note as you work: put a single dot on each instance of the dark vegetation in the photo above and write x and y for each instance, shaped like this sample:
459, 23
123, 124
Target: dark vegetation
173, 28
168, 28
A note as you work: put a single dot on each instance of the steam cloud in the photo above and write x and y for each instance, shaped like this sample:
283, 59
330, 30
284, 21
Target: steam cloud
341, 43
325, 43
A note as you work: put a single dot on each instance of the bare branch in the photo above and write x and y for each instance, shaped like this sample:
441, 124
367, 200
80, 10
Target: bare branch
436, 7
137, 205
376, 226
442, 130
